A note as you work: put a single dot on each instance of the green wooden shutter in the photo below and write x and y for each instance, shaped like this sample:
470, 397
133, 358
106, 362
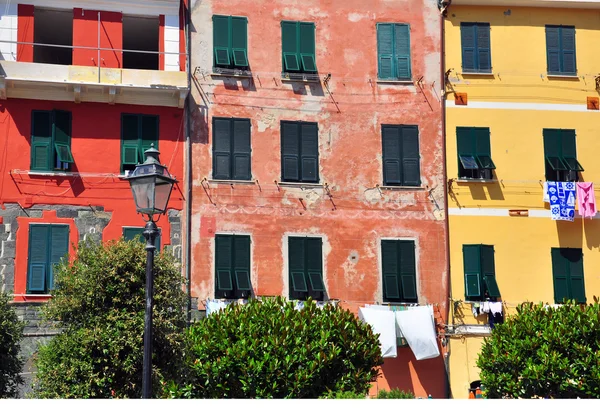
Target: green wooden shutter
553, 153
148, 135
411, 173
222, 148
466, 150
392, 170
385, 51
488, 270
239, 41
42, 157
408, 273
290, 46
483, 151
553, 56
467, 40
307, 47
38, 257
402, 51
223, 262
567, 41
560, 275
241, 262
59, 248
290, 151
61, 130
390, 269
131, 233
314, 263
241, 150
569, 150
221, 41
577, 282
297, 265
484, 56
472, 268
129, 139
309, 152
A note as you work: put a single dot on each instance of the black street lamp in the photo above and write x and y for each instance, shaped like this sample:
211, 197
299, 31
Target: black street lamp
151, 185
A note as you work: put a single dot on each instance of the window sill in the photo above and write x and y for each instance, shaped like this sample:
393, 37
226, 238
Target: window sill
300, 77
299, 185
477, 74
563, 76
406, 82
476, 180
230, 182
403, 188
237, 73
53, 173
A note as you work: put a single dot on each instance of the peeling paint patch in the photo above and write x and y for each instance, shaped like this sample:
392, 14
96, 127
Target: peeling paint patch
354, 17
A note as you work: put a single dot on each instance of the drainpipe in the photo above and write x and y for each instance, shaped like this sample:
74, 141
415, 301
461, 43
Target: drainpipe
188, 160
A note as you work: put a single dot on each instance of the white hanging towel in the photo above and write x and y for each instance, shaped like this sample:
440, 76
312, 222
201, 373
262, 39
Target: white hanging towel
496, 307
419, 331
212, 306
383, 322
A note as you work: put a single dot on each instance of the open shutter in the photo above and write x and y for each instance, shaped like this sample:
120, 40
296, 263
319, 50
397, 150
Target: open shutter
221, 41
392, 174
61, 129
222, 148
290, 151
314, 263
488, 270
472, 267
560, 275
297, 265
38, 257
241, 245
577, 283
59, 248
467, 40
289, 46
149, 134
569, 150
408, 275
307, 47
385, 51
309, 152
569, 63
483, 151
484, 56
41, 139
129, 139
224, 251
239, 41
411, 173
466, 148
241, 150
553, 50
390, 269
553, 152
402, 51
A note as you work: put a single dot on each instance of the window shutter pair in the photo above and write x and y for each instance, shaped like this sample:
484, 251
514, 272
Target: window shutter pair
560, 153
399, 270
480, 272
47, 245
231, 149
50, 139
474, 151
567, 274
299, 151
305, 264
475, 43
298, 46
230, 38
138, 133
393, 51
401, 159
232, 263
560, 50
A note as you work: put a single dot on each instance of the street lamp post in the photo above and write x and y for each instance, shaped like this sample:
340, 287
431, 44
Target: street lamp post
151, 185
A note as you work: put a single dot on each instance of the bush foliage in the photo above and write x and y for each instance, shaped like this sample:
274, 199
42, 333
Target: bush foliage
99, 302
544, 352
395, 393
269, 349
11, 332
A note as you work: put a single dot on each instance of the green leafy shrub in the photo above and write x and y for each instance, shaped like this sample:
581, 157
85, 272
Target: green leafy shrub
544, 352
99, 302
268, 349
11, 332
395, 393
343, 395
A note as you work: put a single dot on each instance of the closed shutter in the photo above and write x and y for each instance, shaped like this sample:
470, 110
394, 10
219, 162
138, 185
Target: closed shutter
241, 261
402, 51
484, 56
290, 151
560, 275
392, 174
131, 233
221, 41
467, 39
59, 235
309, 166
385, 51
62, 135
488, 271
408, 275
239, 41
390, 269
241, 150
38, 257
148, 134
129, 139
289, 46
569, 64
472, 268
567, 143
307, 47
577, 282
411, 173
297, 265
42, 157
553, 49
314, 263
222, 149
224, 251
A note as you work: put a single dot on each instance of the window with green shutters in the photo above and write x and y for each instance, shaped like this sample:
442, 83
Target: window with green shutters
231, 149
305, 263
48, 243
475, 44
232, 266
393, 51
50, 140
299, 152
474, 152
567, 275
401, 158
399, 271
480, 273
138, 133
298, 47
137, 233
560, 50
560, 155
230, 42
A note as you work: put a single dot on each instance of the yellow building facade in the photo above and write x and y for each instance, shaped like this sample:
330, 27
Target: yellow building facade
522, 88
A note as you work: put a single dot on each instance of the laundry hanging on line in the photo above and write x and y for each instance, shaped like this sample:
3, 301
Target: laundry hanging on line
383, 322
586, 199
418, 328
562, 200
